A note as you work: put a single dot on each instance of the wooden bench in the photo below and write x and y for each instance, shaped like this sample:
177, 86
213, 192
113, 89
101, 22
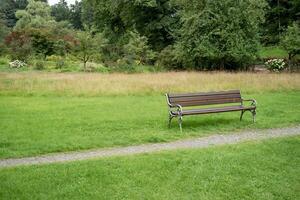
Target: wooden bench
178, 102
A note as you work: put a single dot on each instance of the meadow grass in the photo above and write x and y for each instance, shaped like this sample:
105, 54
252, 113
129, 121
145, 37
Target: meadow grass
38, 125
254, 170
83, 84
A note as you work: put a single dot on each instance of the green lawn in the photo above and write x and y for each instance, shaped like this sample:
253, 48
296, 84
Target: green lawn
272, 52
37, 125
256, 170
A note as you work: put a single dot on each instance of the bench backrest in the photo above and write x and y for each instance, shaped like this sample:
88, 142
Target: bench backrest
208, 98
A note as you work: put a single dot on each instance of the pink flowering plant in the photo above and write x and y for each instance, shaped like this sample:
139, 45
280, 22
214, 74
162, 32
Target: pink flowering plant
275, 65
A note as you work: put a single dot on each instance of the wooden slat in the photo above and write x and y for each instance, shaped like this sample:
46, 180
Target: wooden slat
204, 94
209, 98
210, 102
203, 98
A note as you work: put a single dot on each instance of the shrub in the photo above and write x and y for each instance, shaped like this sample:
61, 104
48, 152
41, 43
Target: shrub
291, 41
168, 58
59, 64
94, 67
39, 65
275, 64
19, 45
137, 50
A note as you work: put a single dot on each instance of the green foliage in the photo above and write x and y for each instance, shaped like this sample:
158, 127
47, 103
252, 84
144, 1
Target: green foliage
8, 9
279, 15
168, 58
19, 44
88, 46
154, 19
176, 34
4, 30
75, 15
137, 50
42, 41
36, 15
223, 34
60, 63
60, 11
39, 64
291, 40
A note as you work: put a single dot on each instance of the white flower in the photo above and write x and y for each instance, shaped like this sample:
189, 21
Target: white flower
275, 64
17, 64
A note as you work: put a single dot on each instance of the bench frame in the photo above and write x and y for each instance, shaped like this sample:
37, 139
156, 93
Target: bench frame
177, 108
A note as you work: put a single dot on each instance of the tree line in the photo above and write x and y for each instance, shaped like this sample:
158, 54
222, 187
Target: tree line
176, 34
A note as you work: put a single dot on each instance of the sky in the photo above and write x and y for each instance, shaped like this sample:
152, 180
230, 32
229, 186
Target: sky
51, 2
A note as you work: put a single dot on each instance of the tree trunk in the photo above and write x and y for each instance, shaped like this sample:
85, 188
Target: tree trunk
289, 62
84, 65
222, 64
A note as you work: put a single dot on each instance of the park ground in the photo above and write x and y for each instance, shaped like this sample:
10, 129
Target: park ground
60, 112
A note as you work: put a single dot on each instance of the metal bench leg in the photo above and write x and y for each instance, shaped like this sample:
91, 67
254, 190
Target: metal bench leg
241, 117
170, 120
180, 122
253, 115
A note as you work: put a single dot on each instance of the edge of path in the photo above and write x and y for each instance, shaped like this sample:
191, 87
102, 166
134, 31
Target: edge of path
203, 142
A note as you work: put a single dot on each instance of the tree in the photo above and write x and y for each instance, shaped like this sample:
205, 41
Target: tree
221, 34
8, 9
60, 11
19, 44
279, 15
87, 45
155, 19
137, 49
36, 15
4, 31
75, 15
291, 41
46, 35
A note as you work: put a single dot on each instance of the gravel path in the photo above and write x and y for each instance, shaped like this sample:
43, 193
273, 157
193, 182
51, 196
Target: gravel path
203, 142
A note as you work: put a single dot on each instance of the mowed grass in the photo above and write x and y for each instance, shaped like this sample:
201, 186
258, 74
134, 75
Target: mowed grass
39, 125
273, 52
253, 170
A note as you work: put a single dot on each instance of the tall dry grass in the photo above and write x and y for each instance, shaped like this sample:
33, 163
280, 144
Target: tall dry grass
79, 84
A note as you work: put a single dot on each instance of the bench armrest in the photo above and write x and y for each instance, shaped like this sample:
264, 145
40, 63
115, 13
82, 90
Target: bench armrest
171, 106
179, 108
254, 102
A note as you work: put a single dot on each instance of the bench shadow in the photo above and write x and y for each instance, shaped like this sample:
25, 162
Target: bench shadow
208, 123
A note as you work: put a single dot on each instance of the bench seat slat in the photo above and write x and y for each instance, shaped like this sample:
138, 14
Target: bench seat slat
210, 102
214, 110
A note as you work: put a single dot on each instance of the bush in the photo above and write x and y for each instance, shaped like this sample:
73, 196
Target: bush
19, 45
60, 64
275, 65
291, 40
94, 67
168, 58
137, 50
39, 65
